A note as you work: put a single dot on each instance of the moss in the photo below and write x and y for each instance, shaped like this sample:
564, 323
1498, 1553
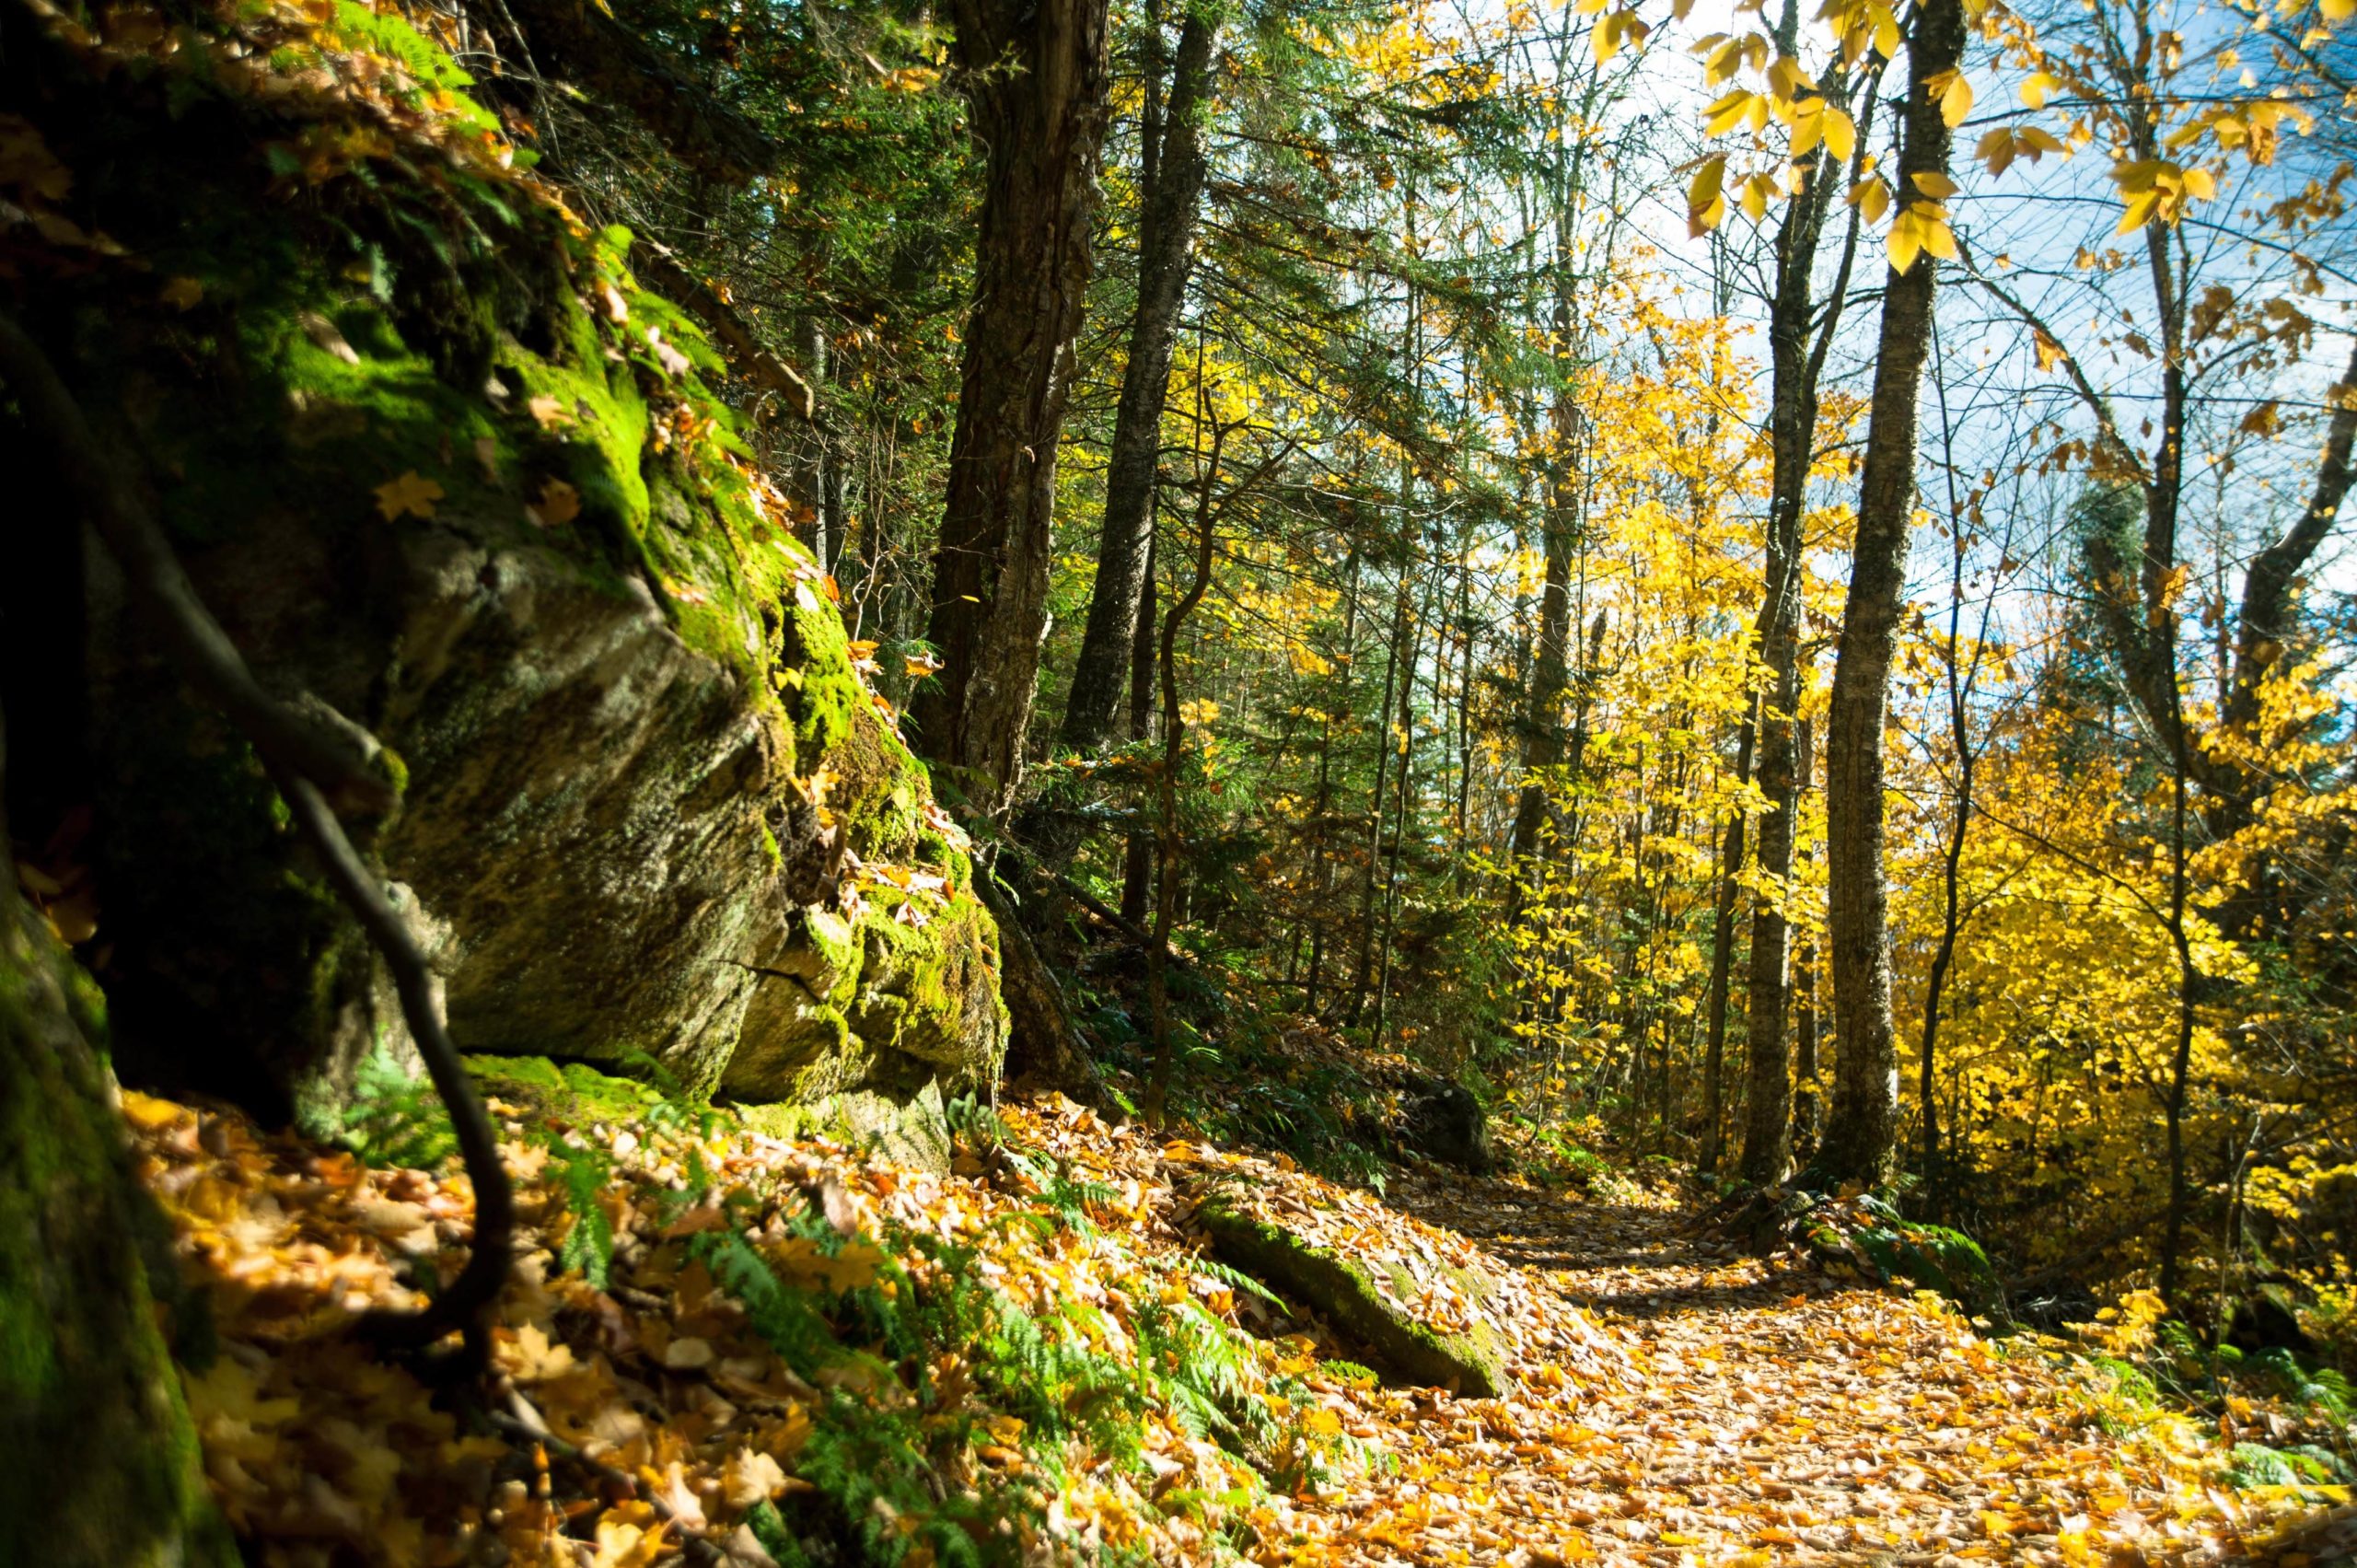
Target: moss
1341, 1290
104, 1465
574, 1093
360, 325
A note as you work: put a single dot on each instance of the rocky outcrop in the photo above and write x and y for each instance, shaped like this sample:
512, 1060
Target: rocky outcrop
1344, 1292
495, 513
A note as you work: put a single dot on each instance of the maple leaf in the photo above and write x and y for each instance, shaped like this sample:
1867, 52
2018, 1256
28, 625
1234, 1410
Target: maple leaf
558, 505
751, 1477
532, 1357
410, 496
630, 1536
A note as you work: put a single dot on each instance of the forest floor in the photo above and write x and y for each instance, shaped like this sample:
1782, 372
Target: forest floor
757, 1351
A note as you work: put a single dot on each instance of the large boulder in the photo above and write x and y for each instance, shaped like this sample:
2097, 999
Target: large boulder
482, 501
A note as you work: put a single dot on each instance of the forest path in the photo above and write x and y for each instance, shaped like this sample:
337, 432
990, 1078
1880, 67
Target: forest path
1770, 1414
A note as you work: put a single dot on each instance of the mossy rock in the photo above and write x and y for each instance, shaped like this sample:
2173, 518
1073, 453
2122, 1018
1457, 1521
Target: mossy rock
103, 1467
1339, 1289
485, 500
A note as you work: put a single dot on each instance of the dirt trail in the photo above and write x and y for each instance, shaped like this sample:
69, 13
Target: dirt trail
1672, 1402
1773, 1414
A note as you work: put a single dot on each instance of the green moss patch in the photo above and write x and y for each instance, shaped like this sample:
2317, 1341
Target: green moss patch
574, 1092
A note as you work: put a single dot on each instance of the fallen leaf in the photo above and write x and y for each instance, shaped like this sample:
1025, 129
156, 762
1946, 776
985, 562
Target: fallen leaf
408, 496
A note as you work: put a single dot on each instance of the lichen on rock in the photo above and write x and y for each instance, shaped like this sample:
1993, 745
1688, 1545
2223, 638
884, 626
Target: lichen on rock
498, 514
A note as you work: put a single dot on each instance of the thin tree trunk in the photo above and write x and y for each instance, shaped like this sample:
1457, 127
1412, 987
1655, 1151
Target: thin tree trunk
1722, 964
1795, 369
1170, 190
1861, 1133
1174, 737
1542, 732
1960, 684
1036, 81
1137, 865
1364, 976
1322, 874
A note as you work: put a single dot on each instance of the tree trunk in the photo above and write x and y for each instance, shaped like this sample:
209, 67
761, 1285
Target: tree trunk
1137, 860
1722, 964
1170, 191
1542, 719
1860, 1135
1174, 739
1036, 80
1792, 430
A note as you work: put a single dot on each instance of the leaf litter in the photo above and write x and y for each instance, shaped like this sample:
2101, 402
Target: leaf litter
1675, 1402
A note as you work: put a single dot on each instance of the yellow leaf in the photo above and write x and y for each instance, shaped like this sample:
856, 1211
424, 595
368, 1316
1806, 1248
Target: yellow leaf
1954, 95
2038, 87
1904, 242
1727, 112
1703, 197
1841, 133
409, 496
1932, 184
559, 504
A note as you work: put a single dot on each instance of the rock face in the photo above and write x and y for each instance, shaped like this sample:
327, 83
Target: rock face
1341, 1290
496, 516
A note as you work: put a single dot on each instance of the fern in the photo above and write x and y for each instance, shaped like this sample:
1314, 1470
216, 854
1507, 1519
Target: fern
395, 1120
583, 1174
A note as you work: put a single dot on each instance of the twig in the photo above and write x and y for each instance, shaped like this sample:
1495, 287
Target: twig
525, 1425
301, 760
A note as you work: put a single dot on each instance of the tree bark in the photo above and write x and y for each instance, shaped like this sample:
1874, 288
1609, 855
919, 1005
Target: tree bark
2265, 623
1796, 370
1036, 82
1170, 194
1137, 863
1542, 719
1722, 964
1861, 1133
